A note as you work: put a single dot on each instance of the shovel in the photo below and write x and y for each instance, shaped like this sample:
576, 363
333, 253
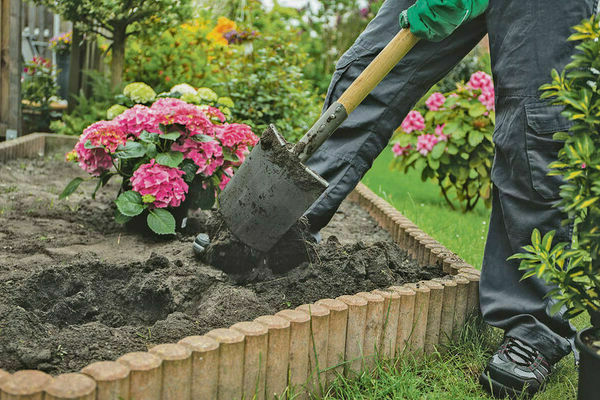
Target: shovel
273, 188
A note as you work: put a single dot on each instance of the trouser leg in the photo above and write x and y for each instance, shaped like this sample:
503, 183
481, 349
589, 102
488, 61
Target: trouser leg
527, 39
346, 156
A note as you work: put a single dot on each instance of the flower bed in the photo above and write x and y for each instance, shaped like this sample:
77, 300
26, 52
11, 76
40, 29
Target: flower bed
78, 288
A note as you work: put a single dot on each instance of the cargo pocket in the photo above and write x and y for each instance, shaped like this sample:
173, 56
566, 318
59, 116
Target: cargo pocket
543, 121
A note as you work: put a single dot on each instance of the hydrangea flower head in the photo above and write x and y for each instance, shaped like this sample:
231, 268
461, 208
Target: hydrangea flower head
439, 131
174, 111
164, 183
208, 156
206, 94
139, 92
183, 88
435, 101
400, 151
414, 121
225, 177
425, 143
233, 135
137, 119
115, 111
480, 80
487, 98
106, 134
104, 137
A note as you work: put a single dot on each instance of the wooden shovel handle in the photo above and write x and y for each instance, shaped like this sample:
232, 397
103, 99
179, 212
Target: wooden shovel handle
378, 69
337, 113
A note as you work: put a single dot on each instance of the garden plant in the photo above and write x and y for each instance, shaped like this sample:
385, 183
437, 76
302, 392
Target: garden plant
452, 143
171, 154
37, 90
574, 267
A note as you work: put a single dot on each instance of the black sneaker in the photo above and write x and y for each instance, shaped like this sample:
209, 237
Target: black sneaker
201, 242
516, 369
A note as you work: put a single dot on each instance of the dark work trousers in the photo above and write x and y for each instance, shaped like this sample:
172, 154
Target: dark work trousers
528, 38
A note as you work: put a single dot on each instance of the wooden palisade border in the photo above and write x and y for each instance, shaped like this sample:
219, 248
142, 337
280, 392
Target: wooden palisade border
303, 348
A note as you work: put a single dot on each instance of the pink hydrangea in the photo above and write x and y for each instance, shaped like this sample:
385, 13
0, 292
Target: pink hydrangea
170, 111
414, 121
107, 134
213, 113
163, 183
105, 137
480, 80
93, 161
208, 156
225, 177
400, 151
234, 135
137, 119
439, 131
487, 98
435, 101
425, 143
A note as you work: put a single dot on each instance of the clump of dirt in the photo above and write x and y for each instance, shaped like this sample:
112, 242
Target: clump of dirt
76, 288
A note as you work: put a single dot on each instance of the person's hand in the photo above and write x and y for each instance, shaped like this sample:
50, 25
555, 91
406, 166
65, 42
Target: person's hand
435, 20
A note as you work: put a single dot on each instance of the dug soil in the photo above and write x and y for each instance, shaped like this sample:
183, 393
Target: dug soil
76, 288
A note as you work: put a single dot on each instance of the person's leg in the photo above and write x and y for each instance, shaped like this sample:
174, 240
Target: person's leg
527, 39
346, 156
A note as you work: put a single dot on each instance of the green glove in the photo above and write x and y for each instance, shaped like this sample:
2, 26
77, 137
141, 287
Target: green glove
435, 20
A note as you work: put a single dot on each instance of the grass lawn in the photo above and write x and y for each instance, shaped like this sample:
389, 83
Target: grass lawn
454, 374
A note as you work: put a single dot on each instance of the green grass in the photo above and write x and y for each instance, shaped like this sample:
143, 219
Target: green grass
454, 374
449, 376
424, 205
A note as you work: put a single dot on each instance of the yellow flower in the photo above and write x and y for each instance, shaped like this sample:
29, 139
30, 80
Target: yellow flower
224, 25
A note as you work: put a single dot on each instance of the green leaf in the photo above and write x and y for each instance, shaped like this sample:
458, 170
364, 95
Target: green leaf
203, 138
131, 150
171, 159
120, 218
170, 136
149, 137
438, 150
477, 110
130, 203
161, 221
475, 137
70, 188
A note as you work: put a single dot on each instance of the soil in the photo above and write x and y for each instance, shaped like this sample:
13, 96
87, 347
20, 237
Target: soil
76, 288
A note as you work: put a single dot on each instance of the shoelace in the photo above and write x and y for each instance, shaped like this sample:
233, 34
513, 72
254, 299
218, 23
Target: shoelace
525, 355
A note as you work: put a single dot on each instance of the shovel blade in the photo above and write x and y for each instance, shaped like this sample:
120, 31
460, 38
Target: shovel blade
269, 192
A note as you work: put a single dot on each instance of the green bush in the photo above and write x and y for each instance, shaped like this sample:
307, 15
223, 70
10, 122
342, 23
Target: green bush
263, 74
452, 145
574, 268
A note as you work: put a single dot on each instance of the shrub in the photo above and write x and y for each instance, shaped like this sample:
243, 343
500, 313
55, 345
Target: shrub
171, 154
574, 268
452, 144
262, 72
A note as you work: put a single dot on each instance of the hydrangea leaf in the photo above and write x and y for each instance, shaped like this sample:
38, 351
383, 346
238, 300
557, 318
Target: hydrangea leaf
70, 188
161, 221
120, 218
171, 159
131, 150
170, 136
130, 203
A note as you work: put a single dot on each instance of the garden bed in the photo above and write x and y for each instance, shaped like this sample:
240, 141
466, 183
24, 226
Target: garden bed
75, 287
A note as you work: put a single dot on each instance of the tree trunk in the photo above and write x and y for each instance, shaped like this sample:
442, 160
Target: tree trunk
118, 55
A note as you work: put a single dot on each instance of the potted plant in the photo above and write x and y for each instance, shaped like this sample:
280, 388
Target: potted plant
37, 90
574, 268
61, 45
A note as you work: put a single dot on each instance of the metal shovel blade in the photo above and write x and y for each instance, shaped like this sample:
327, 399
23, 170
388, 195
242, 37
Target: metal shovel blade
269, 192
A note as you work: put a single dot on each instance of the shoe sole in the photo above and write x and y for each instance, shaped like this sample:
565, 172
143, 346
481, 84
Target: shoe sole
500, 390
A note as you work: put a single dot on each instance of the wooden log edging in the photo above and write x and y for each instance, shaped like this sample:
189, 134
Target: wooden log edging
304, 349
